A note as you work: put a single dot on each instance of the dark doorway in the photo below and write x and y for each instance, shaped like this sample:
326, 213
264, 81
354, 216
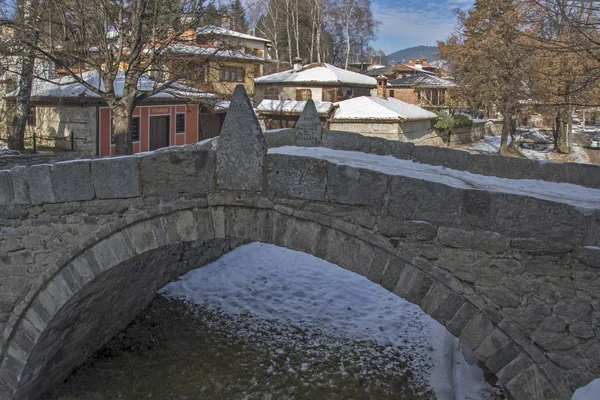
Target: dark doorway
159, 132
210, 126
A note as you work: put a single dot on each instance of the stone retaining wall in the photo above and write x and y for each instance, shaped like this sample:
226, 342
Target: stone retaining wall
517, 279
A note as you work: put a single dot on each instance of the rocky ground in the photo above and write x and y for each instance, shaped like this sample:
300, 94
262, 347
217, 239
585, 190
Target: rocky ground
173, 351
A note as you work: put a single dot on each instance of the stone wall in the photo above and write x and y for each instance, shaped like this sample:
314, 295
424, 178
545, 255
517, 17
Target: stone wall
516, 278
9, 161
484, 164
477, 132
56, 124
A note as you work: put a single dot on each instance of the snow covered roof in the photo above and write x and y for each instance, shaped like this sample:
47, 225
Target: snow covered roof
377, 108
422, 80
193, 50
322, 74
291, 107
217, 30
68, 87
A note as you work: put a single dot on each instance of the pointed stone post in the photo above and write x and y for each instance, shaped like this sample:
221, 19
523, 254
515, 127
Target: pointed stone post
242, 147
309, 131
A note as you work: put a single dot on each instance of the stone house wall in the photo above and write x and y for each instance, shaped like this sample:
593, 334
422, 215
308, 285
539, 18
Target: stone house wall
54, 126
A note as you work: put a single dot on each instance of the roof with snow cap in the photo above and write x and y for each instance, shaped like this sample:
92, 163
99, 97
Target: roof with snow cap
379, 109
195, 50
291, 107
217, 30
321, 74
422, 80
68, 88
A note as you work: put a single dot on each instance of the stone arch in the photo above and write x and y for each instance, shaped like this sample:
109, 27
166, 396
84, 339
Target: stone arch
143, 255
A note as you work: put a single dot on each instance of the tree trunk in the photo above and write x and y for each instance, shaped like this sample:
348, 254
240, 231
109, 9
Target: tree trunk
26, 72
122, 117
506, 128
561, 133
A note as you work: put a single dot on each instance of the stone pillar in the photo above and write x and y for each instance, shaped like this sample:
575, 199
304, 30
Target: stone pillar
309, 131
242, 147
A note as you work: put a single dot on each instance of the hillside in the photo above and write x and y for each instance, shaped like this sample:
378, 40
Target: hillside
413, 52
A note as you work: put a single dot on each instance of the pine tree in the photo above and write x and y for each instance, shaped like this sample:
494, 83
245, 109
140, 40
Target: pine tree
237, 17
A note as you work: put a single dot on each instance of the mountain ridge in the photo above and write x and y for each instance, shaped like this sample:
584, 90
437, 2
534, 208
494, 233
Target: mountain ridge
416, 52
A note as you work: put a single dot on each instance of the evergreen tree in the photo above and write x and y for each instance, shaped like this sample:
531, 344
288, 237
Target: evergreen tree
237, 17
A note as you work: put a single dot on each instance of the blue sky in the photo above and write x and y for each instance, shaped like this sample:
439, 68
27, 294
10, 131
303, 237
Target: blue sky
408, 23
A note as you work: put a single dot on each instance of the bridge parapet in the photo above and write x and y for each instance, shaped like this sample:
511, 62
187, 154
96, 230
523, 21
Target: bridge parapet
516, 278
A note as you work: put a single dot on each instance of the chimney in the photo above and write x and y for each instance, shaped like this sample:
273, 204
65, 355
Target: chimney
411, 61
250, 32
382, 86
424, 61
297, 64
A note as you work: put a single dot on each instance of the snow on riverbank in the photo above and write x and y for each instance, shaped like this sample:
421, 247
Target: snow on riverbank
542, 152
560, 192
270, 283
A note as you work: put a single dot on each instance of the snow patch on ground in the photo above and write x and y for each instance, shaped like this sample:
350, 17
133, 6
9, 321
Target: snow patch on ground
279, 288
589, 392
542, 149
575, 195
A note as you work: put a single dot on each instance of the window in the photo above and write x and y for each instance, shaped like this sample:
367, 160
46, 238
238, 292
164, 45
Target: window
303, 94
231, 74
32, 117
135, 130
180, 123
391, 92
272, 94
361, 92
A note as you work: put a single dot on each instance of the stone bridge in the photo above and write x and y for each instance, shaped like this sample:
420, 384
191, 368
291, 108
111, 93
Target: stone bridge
85, 244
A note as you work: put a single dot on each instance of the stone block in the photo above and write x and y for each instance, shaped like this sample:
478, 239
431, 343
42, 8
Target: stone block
297, 177
20, 184
476, 330
409, 230
339, 140
309, 130
392, 273
528, 217
490, 242
375, 145
173, 172
413, 284
551, 172
441, 303
587, 175
116, 178
511, 167
6, 191
72, 181
242, 148
41, 189
539, 247
414, 199
461, 318
280, 137
513, 368
449, 158
349, 185
589, 255
401, 150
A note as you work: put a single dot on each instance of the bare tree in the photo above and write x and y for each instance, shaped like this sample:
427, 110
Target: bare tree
120, 40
